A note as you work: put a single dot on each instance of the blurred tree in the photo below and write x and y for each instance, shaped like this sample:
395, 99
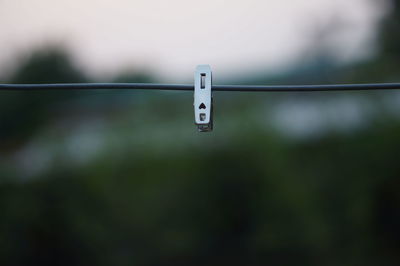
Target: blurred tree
390, 39
22, 113
48, 65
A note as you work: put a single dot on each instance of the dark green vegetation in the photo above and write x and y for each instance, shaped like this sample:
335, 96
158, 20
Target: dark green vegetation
110, 178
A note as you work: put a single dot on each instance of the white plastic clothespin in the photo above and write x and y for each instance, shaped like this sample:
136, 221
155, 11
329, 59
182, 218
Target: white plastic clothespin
203, 102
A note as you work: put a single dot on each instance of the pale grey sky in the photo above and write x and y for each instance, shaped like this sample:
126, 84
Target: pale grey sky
170, 37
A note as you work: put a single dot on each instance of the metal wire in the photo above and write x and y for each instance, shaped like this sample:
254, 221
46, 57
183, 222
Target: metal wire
96, 86
186, 87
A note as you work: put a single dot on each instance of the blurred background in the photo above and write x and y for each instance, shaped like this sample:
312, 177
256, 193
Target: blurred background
123, 178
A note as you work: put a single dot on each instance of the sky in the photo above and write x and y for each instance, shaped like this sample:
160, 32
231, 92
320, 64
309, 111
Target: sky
171, 37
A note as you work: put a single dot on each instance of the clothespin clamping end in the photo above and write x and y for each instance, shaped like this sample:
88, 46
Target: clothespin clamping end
203, 102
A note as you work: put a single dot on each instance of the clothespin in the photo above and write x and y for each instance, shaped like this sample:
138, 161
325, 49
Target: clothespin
203, 102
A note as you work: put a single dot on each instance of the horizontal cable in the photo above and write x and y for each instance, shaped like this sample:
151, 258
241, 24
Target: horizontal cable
304, 88
96, 86
186, 87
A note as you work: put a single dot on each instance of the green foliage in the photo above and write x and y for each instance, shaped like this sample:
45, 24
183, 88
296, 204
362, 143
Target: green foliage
22, 113
255, 201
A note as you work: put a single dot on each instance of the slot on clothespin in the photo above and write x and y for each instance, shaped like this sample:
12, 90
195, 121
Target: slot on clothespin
203, 109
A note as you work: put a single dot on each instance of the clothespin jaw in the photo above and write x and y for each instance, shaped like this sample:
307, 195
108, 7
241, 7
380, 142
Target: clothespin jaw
203, 104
